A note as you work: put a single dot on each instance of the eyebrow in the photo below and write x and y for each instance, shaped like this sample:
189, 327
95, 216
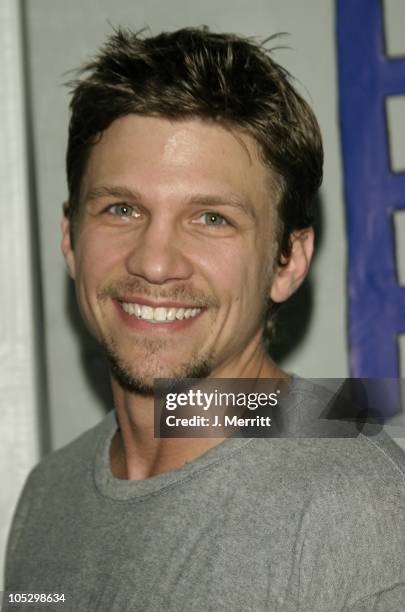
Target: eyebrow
233, 200
104, 191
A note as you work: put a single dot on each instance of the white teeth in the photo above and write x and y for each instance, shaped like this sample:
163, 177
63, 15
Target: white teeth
147, 313
129, 308
160, 314
171, 314
180, 313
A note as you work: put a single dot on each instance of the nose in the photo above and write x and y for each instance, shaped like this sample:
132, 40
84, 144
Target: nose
158, 254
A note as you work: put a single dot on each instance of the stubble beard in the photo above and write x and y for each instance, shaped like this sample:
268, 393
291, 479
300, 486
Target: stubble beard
138, 376
129, 374
131, 378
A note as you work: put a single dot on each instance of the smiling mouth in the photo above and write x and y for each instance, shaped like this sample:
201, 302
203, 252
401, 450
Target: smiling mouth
160, 314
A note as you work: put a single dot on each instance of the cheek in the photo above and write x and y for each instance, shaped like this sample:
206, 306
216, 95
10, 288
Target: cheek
96, 257
233, 274
250, 283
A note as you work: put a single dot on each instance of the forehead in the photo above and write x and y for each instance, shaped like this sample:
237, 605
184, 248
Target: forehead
158, 157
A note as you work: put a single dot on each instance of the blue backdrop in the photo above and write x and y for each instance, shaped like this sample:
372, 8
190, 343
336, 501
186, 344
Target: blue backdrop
372, 190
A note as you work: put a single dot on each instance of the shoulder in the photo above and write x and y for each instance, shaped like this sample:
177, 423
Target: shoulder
351, 526
56, 479
340, 505
328, 439
327, 465
357, 467
354, 521
72, 459
348, 495
325, 442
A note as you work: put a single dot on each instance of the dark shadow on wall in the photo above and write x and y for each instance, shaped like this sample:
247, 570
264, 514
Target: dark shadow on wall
294, 317
40, 354
292, 326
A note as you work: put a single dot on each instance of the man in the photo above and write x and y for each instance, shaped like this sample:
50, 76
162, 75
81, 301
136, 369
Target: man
192, 165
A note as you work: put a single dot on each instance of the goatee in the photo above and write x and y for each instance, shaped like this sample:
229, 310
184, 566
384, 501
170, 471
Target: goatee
130, 381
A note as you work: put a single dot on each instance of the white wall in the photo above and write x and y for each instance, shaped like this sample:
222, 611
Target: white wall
19, 411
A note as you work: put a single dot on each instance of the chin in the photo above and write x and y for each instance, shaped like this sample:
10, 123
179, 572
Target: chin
142, 382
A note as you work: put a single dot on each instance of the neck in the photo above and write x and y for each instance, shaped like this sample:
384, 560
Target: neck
136, 454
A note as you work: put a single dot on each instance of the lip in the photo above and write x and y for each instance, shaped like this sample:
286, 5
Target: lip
141, 325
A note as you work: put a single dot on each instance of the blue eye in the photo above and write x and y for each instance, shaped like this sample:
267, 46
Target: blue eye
214, 219
121, 210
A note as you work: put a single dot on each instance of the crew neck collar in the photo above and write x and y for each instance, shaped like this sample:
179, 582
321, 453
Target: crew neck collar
119, 489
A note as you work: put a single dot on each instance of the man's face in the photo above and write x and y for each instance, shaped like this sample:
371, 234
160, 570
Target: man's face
175, 248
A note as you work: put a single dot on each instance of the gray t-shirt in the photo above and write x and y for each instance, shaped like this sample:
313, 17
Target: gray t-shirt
282, 524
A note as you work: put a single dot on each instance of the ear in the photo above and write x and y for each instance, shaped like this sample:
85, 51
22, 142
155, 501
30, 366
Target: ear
289, 276
66, 245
